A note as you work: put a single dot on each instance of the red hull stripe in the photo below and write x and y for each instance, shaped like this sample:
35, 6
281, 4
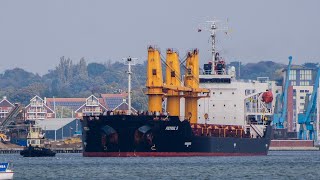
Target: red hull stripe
165, 154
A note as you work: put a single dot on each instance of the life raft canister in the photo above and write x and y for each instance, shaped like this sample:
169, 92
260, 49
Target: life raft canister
267, 97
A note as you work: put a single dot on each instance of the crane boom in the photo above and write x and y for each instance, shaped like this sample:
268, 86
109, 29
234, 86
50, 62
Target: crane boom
305, 119
280, 117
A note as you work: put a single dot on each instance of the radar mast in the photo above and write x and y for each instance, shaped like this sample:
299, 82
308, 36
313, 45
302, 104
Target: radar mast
215, 55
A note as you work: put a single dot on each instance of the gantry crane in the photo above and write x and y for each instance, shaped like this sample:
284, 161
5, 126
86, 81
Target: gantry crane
307, 119
280, 115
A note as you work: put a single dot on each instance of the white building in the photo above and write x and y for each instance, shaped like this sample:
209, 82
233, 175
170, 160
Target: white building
38, 110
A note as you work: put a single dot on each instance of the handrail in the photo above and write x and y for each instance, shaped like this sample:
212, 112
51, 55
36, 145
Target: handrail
256, 130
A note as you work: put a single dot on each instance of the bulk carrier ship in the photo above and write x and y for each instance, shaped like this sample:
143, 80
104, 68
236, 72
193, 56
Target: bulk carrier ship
162, 130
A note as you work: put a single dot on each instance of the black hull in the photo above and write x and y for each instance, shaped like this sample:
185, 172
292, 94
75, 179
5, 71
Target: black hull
120, 135
37, 152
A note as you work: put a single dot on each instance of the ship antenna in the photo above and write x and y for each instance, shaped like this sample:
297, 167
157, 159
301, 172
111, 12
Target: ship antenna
130, 62
213, 42
213, 30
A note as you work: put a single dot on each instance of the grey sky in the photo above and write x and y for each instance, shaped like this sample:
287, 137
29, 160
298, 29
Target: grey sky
35, 34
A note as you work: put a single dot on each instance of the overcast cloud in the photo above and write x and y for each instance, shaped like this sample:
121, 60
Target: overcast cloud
35, 34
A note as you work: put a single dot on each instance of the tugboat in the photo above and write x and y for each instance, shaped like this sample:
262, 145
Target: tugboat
35, 144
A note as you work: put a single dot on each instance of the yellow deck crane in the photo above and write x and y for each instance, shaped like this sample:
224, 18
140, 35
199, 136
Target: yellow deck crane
154, 82
191, 80
173, 88
173, 82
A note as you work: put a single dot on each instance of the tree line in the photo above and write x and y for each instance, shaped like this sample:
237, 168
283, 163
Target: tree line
69, 79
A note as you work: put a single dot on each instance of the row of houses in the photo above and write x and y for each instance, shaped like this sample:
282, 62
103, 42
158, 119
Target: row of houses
47, 108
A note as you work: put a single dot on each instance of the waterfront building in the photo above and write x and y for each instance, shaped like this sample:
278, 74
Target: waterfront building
76, 107
60, 128
38, 110
123, 108
71, 104
5, 107
92, 106
114, 100
65, 107
301, 80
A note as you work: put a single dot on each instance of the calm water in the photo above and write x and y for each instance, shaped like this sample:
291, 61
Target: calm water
277, 165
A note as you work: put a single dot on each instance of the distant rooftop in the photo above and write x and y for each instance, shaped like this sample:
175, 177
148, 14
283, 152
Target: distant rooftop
73, 103
298, 67
113, 100
54, 123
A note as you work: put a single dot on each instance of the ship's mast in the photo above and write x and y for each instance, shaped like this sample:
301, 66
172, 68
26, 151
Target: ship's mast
129, 61
213, 43
213, 31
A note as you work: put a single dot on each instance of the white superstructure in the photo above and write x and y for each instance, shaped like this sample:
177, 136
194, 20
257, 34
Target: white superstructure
235, 102
231, 101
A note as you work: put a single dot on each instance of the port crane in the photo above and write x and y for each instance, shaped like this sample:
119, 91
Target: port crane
11, 118
307, 119
280, 115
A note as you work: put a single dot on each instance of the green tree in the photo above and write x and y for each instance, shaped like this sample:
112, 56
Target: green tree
95, 69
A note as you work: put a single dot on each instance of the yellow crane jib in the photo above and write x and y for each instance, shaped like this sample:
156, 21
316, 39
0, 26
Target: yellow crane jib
173, 82
154, 82
192, 81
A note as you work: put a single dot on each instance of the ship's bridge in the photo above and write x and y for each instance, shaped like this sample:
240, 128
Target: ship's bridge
211, 78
